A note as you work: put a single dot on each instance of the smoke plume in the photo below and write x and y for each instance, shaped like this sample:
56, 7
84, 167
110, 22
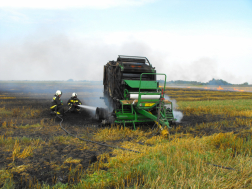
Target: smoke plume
177, 114
62, 57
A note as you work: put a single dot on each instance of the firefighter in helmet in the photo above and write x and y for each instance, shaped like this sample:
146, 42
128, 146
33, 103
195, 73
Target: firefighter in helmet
57, 104
73, 103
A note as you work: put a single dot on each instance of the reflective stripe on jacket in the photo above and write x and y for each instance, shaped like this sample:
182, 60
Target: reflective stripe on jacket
56, 102
73, 100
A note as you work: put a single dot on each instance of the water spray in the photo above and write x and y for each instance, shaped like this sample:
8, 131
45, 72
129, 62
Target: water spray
91, 108
99, 113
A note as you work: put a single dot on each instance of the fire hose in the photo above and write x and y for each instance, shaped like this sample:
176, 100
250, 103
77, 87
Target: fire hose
220, 166
92, 140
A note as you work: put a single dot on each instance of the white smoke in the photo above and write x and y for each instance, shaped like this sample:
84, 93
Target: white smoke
177, 114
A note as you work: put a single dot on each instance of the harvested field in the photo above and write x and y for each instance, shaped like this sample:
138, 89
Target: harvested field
37, 153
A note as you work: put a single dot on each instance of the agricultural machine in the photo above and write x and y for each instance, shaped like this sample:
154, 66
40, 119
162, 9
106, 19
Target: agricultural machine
132, 93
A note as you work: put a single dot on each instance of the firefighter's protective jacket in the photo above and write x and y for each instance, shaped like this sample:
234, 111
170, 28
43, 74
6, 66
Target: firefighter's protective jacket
56, 102
73, 101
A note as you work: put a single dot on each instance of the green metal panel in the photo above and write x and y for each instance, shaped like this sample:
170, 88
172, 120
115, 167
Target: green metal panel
144, 84
139, 112
141, 84
153, 117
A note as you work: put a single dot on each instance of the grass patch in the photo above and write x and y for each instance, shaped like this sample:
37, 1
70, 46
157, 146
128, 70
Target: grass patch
3, 111
187, 94
30, 126
181, 163
221, 107
118, 132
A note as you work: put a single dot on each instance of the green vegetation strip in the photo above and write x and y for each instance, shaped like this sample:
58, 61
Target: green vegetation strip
224, 107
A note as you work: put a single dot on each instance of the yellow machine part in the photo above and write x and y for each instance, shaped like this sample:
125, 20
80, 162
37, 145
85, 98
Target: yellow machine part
164, 132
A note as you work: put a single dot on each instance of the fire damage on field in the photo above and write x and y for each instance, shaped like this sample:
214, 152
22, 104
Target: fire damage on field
36, 150
51, 161
47, 163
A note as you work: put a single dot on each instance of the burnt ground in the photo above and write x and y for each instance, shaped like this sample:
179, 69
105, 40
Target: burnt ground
48, 164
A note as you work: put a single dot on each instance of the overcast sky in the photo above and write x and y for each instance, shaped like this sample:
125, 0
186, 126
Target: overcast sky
186, 39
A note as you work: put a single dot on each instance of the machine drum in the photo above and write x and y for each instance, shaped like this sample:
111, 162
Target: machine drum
101, 113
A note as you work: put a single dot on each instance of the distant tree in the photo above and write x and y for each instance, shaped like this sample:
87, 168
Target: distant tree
211, 82
246, 83
218, 82
181, 82
70, 80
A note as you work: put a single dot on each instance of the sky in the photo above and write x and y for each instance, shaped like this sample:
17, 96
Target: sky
191, 40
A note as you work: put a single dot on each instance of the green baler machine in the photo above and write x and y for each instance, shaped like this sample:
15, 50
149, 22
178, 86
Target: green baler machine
133, 95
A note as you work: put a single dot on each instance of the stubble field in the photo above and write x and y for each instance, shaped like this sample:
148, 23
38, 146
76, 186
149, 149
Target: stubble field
209, 148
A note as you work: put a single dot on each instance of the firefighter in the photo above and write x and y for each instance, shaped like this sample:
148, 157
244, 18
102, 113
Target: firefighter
57, 107
73, 102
